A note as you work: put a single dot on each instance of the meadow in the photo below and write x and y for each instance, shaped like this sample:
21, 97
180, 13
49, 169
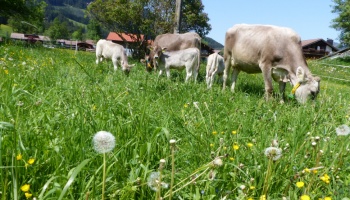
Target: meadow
173, 140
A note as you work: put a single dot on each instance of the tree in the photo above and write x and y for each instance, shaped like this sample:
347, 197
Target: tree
58, 30
342, 22
24, 16
148, 17
93, 30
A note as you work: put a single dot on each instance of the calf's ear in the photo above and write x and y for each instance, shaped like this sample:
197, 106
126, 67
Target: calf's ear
301, 74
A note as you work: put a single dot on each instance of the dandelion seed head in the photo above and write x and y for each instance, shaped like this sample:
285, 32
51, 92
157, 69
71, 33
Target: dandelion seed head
103, 142
153, 181
217, 162
343, 130
273, 153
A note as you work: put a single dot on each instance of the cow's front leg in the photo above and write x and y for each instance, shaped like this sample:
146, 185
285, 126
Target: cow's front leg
268, 82
282, 87
115, 64
188, 74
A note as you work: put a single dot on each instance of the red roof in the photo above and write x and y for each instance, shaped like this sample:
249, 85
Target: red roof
307, 42
128, 37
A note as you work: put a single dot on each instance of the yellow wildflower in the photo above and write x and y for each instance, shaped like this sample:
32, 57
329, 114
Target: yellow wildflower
235, 146
19, 157
252, 187
250, 145
214, 132
315, 171
306, 170
31, 161
325, 178
262, 197
28, 195
327, 198
25, 187
300, 184
250, 198
6, 71
305, 197
232, 159
234, 132
211, 145
185, 105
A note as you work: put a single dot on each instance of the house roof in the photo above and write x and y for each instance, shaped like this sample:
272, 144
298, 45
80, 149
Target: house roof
305, 43
128, 37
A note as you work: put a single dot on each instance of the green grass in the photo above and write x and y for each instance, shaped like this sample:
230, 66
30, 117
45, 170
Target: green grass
53, 103
5, 31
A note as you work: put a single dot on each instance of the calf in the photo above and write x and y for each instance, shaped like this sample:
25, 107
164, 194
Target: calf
172, 42
215, 65
115, 52
187, 58
275, 52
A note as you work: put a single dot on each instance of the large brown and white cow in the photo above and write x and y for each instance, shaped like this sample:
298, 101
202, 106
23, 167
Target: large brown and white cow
187, 58
116, 52
274, 51
172, 42
215, 66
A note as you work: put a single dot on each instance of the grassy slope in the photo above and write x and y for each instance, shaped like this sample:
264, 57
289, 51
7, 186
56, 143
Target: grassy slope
66, 98
5, 31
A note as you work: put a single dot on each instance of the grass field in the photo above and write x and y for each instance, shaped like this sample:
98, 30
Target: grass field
5, 31
54, 101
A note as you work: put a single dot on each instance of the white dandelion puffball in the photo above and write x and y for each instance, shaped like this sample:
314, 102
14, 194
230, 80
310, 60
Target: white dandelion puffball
153, 181
273, 153
103, 142
343, 130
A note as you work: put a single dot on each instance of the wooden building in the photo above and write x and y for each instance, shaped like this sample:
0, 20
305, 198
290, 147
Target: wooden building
317, 48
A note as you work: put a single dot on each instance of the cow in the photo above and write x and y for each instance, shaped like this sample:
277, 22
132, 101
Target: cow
274, 51
116, 52
187, 58
215, 65
172, 42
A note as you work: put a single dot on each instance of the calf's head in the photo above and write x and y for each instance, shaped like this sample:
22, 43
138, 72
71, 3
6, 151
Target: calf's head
307, 86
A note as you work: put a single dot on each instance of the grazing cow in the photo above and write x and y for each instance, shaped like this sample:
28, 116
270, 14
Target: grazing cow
109, 50
187, 58
172, 42
275, 52
215, 65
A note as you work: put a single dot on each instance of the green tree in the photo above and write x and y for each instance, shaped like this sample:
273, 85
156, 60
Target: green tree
93, 30
28, 20
58, 30
342, 22
78, 34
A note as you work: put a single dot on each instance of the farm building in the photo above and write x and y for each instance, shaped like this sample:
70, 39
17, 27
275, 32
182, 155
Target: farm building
31, 38
72, 44
317, 48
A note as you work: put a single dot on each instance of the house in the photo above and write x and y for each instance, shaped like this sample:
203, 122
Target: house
30, 38
317, 48
128, 41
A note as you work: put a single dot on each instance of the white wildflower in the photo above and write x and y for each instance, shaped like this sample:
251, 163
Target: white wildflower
217, 162
103, 142
273, 153
153, 181
343, 130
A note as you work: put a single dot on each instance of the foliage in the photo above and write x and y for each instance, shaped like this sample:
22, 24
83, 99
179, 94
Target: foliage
58, 30
341, 23
54, 101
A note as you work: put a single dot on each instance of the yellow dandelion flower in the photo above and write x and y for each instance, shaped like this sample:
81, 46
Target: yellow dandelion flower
225, 148
211, 145
19, 157
185, 105
252, 187
250, 145
325, 178
232, 159
6, 71
31, 161
305, 197
234, 132
214, 132
250, 198
28, 195
235, 146
327, 198
25, 187
307, 170
315, 171
300, 184
93, 107
262, 197
222, 132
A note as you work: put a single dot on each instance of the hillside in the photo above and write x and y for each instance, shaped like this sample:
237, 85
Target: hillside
212, 43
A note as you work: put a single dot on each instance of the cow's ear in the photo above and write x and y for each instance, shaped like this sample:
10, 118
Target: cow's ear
301, 74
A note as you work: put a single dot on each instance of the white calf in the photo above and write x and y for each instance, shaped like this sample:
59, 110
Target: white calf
109, 50
215, 65
187, 58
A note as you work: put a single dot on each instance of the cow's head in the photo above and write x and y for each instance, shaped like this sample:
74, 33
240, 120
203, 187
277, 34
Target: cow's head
307, 86
148, 62
126, 67
153, 58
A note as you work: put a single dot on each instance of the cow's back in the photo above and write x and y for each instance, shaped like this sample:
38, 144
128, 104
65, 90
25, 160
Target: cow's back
251, 44
174, 42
